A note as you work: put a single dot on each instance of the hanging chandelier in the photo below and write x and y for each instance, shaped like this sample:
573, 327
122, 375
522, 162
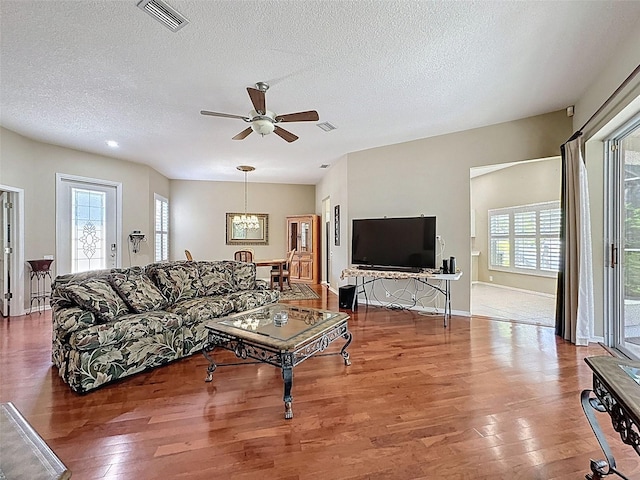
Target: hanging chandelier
245, 221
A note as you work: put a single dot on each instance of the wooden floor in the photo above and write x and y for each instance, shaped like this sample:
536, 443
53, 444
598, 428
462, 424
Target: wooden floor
480, 400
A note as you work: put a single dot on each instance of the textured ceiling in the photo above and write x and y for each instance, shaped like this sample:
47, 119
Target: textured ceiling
78, 73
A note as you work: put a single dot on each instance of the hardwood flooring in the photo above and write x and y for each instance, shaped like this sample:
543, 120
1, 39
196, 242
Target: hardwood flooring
479, 400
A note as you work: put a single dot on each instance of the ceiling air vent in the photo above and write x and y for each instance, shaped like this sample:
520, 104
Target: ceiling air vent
326, 126
164, 13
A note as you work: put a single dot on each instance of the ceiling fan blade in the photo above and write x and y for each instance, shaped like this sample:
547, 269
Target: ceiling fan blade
258, 100
243, 134
286, 135
309, 116
226, 115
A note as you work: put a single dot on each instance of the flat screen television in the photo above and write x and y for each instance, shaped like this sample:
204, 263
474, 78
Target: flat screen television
402, 242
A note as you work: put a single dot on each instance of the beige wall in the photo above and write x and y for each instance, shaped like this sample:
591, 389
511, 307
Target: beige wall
431, 177
521, 184
334, 186
198, 212
32, 166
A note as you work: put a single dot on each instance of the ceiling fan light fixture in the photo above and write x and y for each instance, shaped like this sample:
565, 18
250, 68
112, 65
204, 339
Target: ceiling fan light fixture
263, 127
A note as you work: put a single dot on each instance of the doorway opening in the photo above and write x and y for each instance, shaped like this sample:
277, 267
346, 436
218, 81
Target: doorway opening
515, 245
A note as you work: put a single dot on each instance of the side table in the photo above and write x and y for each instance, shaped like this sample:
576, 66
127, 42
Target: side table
40, 272
617, 393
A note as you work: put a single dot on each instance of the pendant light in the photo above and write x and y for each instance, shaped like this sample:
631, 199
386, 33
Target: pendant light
245, 221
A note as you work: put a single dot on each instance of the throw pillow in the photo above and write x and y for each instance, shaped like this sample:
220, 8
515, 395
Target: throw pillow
97, 296
216, 277
137, 290
176, 280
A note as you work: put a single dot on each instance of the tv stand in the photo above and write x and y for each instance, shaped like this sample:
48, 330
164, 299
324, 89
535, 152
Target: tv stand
440, 282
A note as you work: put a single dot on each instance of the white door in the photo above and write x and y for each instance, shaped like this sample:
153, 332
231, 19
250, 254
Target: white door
5, 251
87, 220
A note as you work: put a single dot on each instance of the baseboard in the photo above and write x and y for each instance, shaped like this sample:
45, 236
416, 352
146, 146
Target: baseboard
522, 290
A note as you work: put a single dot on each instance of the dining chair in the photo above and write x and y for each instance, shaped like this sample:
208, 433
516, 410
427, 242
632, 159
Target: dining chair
243, 256
286, 269
187, 254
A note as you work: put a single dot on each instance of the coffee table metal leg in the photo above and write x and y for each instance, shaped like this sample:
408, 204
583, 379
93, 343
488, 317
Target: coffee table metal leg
286, 362
343, 352
206, 351
287, 376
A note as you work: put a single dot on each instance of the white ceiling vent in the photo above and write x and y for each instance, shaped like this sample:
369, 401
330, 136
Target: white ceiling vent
326, 126
164, 13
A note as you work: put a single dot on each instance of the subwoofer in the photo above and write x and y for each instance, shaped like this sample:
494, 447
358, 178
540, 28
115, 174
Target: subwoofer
347, 297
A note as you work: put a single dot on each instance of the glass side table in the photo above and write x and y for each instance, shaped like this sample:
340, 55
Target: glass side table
39, 283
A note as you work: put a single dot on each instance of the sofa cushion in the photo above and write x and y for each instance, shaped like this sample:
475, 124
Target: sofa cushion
176, 280
216, 277
201, 309
137, 290
244, 276
125, 329
98, 296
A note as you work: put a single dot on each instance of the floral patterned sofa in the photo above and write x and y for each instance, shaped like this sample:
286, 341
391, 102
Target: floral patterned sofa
109, 324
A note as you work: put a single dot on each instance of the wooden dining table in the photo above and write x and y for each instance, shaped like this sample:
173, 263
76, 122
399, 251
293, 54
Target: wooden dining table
274, 262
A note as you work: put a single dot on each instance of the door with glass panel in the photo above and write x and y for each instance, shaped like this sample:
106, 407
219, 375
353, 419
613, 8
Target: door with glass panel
624, 246
87, 225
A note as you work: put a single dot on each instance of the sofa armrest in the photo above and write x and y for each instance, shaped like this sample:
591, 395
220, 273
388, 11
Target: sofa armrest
262, 284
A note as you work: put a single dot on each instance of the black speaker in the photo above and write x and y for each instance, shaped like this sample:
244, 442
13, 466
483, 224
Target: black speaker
347, 297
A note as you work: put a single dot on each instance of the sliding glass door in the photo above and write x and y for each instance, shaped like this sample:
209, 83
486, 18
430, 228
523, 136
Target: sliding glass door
624, 231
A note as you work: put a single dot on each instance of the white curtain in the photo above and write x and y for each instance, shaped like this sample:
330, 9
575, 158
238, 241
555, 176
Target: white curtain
574, 315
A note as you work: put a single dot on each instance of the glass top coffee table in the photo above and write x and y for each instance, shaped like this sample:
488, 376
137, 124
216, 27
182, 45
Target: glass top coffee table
280, 335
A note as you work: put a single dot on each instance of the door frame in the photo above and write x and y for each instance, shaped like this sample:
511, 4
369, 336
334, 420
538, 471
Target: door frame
613, 232
62, 177
16, 262
325, 243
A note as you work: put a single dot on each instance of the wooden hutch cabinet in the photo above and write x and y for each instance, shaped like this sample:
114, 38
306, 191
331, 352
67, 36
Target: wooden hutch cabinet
303, 236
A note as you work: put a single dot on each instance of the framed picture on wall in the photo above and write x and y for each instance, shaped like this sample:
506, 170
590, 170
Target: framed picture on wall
240, 234
336, 224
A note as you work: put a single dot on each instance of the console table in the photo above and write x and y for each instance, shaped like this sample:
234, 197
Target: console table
616, 393
442, 286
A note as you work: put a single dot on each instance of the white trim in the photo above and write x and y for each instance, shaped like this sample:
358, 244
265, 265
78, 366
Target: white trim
16, 305
60, 177
506, 287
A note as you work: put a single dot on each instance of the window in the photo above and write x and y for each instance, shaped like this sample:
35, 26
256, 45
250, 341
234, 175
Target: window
525, 239
162, 229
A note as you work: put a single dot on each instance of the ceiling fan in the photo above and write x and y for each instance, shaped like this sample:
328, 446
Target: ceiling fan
264, 121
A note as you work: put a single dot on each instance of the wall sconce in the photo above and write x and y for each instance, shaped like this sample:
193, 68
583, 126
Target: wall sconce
135, 238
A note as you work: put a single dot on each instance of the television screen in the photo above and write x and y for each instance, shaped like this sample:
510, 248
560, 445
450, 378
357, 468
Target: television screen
408, 242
